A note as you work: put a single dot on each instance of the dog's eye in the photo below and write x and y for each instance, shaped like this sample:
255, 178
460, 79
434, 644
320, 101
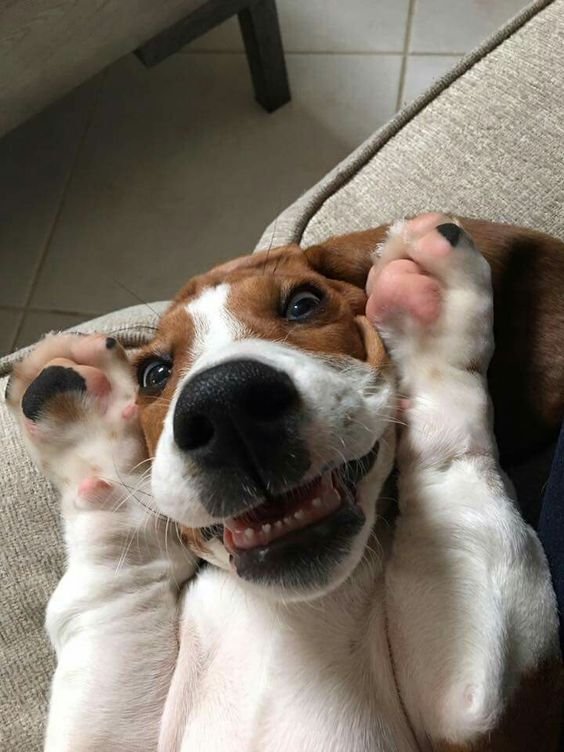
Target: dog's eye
153, 374
301, 304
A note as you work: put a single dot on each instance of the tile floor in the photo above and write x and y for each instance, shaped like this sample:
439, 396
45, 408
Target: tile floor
139, 179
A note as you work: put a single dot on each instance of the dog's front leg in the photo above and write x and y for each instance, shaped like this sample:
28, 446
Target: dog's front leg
471, 612
114, 615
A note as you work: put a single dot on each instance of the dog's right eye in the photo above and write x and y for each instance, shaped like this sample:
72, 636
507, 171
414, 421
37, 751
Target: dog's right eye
153, 374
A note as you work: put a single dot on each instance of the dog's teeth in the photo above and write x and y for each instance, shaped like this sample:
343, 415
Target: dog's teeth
266, 528
287, 520
249, 533
278, 524
317, 503
299, 515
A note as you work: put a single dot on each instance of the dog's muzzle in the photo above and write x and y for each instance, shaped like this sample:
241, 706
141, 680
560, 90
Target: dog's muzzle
238, 424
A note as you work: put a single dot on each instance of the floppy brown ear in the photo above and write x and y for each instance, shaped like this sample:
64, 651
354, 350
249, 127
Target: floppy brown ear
526, 376
347, 258
376, 353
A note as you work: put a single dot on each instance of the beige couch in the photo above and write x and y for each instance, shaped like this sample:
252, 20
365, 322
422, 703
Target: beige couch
486, 141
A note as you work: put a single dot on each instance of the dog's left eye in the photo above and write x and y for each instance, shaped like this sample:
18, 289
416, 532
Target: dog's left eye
153, 374
302, 304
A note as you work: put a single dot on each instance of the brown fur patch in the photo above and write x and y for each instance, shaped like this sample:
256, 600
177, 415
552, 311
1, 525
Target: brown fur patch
64, 407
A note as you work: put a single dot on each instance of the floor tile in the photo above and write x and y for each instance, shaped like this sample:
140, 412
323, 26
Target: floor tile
458, 25
181, 169
423, 70
325, 25
37, 323
9, 322
35, 160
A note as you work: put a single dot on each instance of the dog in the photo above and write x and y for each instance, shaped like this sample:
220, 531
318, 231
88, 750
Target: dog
268, 405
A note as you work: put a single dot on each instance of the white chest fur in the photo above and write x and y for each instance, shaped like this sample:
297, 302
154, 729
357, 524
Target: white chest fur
271, 678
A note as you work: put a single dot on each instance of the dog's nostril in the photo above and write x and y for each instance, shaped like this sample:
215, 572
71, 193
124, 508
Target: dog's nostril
198, 432
269, 402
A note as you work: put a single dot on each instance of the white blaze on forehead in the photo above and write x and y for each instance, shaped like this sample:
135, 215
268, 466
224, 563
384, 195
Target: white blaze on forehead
214, 325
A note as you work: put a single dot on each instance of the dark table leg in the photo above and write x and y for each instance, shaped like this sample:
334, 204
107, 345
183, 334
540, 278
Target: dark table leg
265, 55
258, 20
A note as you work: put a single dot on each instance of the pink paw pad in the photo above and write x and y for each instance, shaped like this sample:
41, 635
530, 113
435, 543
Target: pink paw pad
93, 489
130, 411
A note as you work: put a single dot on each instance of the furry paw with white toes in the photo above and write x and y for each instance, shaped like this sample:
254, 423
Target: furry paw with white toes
74, 398
430, 296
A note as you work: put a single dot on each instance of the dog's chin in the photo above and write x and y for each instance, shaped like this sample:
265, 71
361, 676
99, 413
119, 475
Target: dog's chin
304, 543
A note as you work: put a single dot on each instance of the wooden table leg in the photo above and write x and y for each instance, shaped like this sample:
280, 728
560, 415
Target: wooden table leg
265, 55
258, 20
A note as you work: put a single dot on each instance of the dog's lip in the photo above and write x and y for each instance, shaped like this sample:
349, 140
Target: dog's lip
303, 507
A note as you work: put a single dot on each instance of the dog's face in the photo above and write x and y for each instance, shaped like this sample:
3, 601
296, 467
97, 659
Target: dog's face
266, 401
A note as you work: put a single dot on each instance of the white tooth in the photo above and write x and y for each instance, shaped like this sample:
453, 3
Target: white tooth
249, 533
278, 524
287, 520
299, 515
266, 528
317, 503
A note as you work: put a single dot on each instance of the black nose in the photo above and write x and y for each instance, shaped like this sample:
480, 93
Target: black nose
240, 422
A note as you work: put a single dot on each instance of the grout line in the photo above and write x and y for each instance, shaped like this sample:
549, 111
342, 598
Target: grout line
298, 52
57, 311
437, 54
406, 45
313, 53
12, 344
58, 213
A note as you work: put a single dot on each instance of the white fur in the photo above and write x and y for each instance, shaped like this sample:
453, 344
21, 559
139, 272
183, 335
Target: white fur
214, 325
113, 623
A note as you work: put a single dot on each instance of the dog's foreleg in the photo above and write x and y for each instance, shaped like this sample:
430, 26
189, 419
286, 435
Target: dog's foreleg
471, 612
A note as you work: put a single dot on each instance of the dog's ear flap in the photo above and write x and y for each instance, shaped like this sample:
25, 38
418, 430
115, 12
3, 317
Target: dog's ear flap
347, 258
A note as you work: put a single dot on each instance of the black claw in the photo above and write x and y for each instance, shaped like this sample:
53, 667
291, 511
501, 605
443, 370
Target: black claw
111, 342
52, 380
451, 232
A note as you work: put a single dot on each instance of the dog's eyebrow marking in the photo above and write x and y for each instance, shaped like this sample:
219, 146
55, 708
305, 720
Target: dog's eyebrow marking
214, 325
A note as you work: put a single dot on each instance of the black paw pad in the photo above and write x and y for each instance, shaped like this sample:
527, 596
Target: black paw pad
111, 342
51, 381
451, 232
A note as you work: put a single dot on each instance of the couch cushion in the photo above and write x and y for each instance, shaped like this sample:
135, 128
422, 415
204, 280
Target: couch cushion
32, 557
485, 141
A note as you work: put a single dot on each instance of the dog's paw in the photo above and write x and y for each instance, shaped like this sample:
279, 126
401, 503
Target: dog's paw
74, 399
430, 296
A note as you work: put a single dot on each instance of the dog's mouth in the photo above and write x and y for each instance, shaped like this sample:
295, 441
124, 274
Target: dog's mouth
285, 514
302, 524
